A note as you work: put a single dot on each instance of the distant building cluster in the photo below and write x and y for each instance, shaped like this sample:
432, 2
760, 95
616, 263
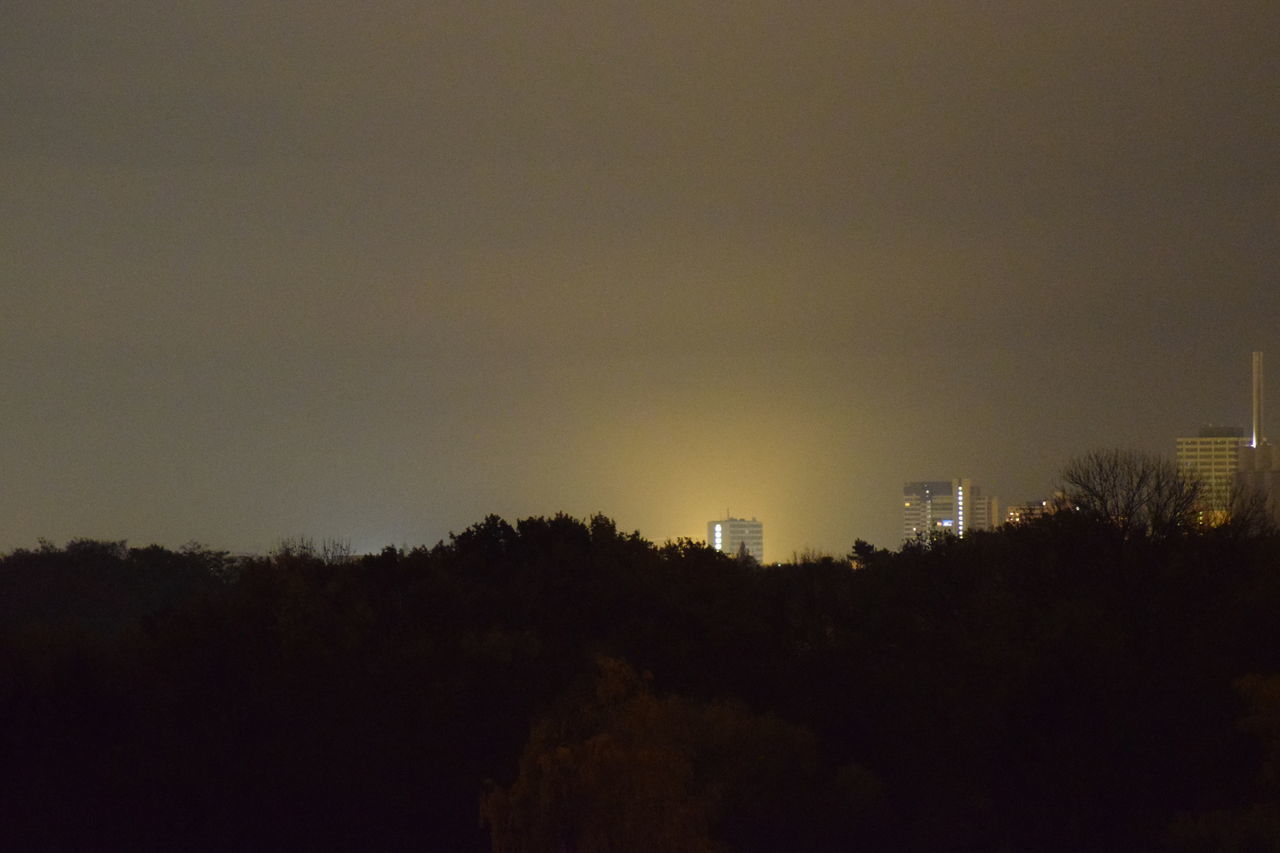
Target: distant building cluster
1029, 511
1233, 465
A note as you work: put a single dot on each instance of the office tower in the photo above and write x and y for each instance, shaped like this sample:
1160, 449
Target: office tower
1213, 458
1234, 468
937, 507
734, 536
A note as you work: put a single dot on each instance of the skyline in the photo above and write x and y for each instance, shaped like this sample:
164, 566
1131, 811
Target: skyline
375, 274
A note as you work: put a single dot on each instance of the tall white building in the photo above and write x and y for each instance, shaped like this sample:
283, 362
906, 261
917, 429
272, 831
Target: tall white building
934, 507
734, 536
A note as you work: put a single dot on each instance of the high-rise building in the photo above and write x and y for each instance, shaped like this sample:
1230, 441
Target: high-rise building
935, 507
928, 506
1233, 466
1213, 458
735, 536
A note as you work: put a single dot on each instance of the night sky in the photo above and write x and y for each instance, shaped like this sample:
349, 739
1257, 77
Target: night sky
371, 271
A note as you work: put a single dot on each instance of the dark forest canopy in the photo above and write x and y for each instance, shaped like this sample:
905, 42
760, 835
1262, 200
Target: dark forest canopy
560, 684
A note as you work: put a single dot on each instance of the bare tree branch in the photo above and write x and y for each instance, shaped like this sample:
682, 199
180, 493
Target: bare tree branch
1140, 494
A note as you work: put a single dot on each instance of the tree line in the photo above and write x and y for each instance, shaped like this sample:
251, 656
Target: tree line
1078, 682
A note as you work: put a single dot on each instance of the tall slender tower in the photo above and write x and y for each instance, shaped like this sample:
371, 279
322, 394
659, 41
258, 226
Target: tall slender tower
1259, 474
1258, 437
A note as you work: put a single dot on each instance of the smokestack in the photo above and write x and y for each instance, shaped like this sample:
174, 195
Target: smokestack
1257, 400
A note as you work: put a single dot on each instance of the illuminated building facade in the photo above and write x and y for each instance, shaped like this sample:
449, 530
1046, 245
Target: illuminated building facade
1213, 458
938, 507
1022, 513
1233, 465
734, 536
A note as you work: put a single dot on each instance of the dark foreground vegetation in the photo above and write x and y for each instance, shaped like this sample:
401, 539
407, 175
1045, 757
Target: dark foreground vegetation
559, 685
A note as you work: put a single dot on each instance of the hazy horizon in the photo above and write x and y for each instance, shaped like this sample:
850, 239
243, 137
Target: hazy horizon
374, 273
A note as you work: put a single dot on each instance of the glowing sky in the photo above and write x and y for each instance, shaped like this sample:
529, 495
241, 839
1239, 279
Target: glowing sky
372, 271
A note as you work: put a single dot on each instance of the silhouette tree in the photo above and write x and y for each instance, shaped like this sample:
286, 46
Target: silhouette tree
1256, 826
1137, 494
624, 770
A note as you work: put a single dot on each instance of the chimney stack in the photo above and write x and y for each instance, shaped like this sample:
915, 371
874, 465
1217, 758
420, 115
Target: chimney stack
1258, 438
